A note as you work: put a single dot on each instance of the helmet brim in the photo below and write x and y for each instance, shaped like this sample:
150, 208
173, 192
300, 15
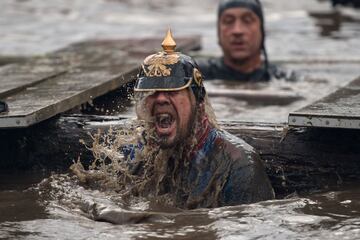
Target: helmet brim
161, 84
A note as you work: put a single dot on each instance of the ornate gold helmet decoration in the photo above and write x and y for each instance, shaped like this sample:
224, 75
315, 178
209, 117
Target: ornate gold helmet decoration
169, 70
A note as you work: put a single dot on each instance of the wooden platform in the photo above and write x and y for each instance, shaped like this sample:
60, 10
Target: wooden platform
45, 86
340, 109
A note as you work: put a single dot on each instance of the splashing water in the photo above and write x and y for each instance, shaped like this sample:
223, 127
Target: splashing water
133, 162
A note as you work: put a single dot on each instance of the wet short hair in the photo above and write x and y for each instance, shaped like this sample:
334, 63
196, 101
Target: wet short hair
253, 5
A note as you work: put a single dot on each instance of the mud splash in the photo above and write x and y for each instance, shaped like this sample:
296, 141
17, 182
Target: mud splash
133, 163
62, 193
324, 215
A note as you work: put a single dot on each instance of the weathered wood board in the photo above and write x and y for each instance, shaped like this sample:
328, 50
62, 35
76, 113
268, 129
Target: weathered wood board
44, 86
273, 98
340, 109
15, 78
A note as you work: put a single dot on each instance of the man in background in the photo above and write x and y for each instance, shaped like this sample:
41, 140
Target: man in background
241, 36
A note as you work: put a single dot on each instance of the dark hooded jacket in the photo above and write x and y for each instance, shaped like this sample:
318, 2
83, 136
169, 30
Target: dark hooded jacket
215, 68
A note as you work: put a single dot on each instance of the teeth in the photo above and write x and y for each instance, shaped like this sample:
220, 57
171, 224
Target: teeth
163, 116
164, 119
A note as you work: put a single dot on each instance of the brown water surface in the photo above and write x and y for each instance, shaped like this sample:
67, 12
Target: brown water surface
56, 211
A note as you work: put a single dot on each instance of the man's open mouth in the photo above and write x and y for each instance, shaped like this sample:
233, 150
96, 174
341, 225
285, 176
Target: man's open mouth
165, 123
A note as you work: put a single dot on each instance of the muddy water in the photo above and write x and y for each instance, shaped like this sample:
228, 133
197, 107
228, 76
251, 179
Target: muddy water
325, 52
56, 211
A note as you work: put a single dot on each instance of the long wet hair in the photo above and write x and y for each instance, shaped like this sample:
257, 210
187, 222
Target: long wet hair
163, 173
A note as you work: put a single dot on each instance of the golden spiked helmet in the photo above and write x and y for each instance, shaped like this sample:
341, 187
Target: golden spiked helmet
169, 70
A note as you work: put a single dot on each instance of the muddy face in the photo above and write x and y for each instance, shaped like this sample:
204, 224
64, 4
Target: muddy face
172, 114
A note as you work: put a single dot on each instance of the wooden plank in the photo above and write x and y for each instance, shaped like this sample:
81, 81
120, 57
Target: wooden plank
60, 94
259, 96
116, 52
103, 53
14, 78
340, 109
48, 85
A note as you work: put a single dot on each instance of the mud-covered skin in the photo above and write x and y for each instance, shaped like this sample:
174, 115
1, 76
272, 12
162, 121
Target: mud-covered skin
223, 171
215, 68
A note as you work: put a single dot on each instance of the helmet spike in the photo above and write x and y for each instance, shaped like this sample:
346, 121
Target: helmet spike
169, 43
